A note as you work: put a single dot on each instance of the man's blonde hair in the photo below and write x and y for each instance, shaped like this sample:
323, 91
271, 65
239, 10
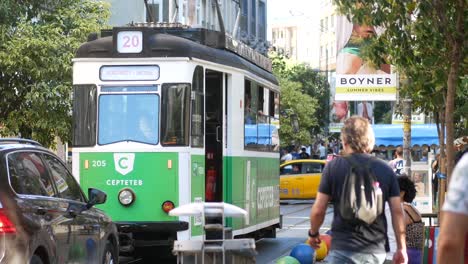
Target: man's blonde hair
358, 134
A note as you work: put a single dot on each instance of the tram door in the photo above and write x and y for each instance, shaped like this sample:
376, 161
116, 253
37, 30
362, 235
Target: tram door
213, 136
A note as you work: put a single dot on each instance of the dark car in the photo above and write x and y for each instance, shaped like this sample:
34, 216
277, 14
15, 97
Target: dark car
44, 215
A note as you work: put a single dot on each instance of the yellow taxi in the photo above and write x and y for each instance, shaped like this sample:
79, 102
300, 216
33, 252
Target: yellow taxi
299, 179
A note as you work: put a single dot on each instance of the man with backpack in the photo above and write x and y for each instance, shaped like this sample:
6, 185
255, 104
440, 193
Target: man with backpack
358, 185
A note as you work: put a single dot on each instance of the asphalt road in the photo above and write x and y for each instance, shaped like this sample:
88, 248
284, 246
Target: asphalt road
294, 231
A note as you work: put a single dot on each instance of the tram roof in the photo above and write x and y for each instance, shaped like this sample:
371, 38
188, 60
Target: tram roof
166, 43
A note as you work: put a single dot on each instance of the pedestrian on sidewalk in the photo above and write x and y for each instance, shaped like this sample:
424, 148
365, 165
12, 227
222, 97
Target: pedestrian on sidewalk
358, 241
398, 163
453, 235
286, 156
304, 154
322, 151
413, 221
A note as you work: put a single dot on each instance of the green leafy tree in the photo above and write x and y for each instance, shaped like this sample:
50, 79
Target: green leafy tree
294, 102
315, 85
425, 42
38, 41
308, 84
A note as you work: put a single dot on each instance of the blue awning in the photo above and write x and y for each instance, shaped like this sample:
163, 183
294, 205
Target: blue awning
392, 135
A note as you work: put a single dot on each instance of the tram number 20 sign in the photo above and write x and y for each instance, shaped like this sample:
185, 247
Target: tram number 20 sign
129, 41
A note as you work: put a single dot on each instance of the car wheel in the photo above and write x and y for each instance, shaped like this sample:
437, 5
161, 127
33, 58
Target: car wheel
109, 254
35, 259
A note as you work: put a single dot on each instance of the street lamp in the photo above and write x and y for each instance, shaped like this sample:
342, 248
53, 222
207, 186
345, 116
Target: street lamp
294, 123
289, 113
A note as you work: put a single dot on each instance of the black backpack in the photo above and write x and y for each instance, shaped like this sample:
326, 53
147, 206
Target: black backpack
361, 197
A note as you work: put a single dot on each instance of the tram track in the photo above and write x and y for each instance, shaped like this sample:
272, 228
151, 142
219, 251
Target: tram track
304, 206
297, 219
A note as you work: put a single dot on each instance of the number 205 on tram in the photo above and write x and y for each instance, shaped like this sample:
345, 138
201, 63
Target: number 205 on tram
169, 116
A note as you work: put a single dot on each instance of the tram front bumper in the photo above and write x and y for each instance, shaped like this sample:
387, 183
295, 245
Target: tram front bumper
134, 235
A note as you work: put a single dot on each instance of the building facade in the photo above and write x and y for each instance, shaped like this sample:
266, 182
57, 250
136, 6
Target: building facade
294, 31
327, 52
251, 25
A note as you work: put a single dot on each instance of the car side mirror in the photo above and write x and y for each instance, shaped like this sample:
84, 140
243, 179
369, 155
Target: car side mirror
95, 197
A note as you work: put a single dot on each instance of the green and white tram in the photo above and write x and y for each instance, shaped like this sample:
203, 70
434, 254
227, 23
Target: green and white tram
168, 116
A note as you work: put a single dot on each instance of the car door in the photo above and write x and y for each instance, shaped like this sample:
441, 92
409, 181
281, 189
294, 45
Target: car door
43, 214
290, 180
85, 223
312, 172
286, 181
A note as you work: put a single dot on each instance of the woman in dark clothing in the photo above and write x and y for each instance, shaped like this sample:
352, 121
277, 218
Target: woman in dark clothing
414, 225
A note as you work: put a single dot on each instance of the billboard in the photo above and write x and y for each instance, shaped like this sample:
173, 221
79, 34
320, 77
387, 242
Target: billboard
369, 87
356, 78
416, 119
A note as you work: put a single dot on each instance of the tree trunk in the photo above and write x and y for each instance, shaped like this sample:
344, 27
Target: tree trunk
442, 160
407, 135
456, 41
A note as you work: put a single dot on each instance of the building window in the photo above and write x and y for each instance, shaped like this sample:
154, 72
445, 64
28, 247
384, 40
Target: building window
244, 19
253, 18
152, 14
262, 20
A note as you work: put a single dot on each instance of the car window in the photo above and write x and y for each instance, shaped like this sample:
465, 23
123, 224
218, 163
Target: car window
285, 169
296, 168
28, 174
312, 168
66, 185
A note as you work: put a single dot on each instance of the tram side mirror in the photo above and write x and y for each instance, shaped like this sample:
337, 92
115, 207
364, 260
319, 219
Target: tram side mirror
95, 197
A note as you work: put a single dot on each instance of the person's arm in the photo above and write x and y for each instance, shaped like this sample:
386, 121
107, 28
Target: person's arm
453, 229
398, 222
317, 215
347, 63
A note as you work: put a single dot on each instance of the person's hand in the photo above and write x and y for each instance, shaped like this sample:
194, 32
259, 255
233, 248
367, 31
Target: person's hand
314, 242
400, 257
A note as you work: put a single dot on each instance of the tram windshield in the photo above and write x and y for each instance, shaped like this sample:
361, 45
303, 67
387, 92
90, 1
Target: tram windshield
128, 117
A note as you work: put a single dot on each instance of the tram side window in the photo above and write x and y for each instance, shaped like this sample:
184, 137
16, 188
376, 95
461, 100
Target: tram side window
175, 114
250, 115
84, 115
197, 108
260, 131
273, 104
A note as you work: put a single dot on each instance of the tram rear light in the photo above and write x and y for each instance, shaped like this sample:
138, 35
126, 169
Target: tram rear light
6, 226
126, 197
167, 206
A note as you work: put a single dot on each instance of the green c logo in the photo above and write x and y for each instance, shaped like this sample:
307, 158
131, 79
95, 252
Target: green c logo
123, 162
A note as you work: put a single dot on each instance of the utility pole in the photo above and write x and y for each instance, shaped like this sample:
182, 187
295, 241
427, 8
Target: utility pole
407, 135
327, 87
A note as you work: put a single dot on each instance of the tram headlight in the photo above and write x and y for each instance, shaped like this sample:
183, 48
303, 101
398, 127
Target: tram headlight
126, 197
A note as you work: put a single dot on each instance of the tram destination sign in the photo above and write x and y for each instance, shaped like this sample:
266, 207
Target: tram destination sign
129, 73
